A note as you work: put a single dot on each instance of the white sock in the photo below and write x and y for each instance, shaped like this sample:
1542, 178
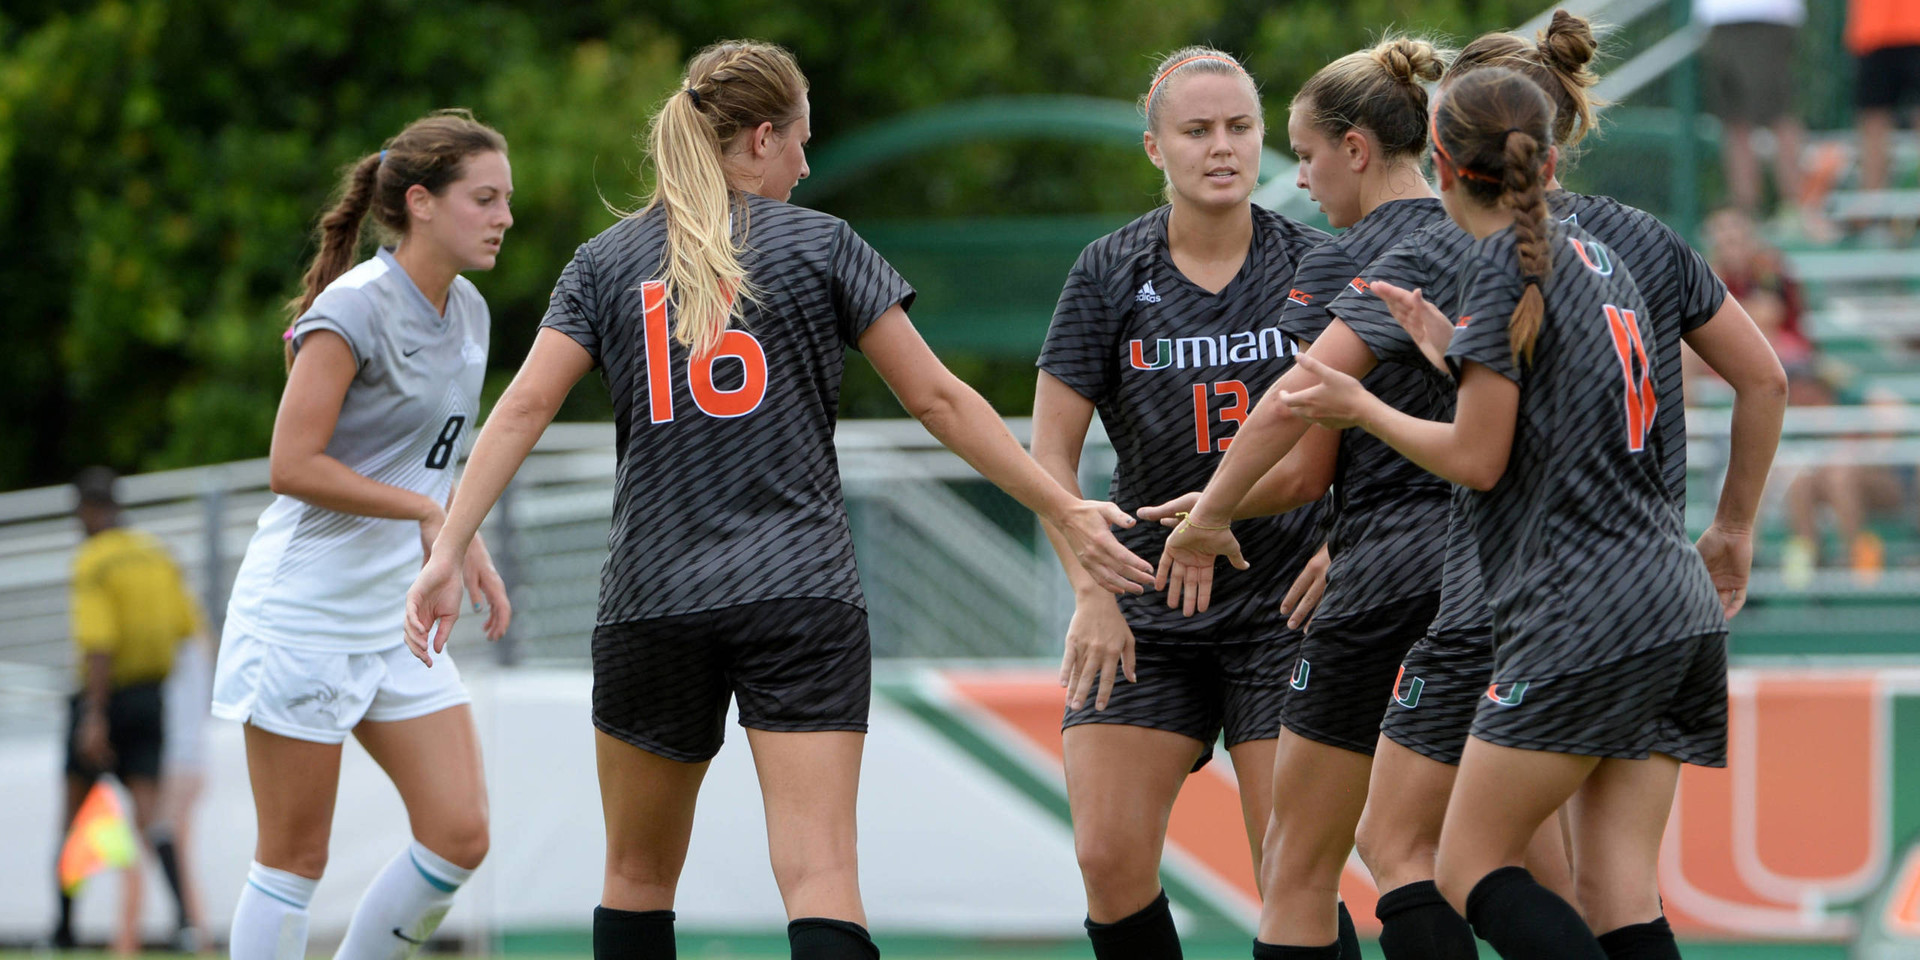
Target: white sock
271, 921
403, 906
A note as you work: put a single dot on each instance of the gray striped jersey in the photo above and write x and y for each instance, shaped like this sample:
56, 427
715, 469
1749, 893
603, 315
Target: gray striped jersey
1682, 294
727, 489
316, 578
1388, 531
1583, 557
1173, 371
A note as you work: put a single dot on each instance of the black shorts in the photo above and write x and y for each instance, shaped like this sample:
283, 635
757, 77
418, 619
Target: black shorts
1436, 692
136, 729
1199, 690
1671, 699
793, 665
1888, 78
1347, 665
1749, 71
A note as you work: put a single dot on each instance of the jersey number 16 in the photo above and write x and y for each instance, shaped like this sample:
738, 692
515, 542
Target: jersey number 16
712, 401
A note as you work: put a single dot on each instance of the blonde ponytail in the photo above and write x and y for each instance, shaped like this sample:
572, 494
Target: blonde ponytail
730, 88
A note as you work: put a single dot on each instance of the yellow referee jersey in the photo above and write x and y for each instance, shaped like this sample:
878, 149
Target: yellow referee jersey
130, 603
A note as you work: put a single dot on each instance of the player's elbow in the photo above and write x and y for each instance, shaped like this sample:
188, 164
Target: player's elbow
285, 476
936, 405
1482, 475
1764, 382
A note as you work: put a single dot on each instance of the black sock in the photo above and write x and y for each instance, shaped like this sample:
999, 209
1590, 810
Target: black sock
818, 938
1148, 934
1526, 921
1274, 951
1417, 923
632, 935
169, 857
63, 930
1349, 937
1641, 941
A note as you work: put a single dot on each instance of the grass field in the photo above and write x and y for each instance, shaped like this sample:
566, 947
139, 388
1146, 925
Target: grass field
697, 946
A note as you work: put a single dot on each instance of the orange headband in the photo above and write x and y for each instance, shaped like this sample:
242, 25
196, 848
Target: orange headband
1164, 74
1433, 130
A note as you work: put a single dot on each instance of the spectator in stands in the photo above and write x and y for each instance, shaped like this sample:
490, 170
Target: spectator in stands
131, 609
1748, 60
1885, 37
1862, 485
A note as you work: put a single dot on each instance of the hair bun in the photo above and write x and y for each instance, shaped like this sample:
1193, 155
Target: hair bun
1408, 60
1568, 43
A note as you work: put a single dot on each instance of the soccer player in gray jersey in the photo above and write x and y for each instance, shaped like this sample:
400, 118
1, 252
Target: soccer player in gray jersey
1166, 327
385, 365
1610, 641
719, 316
1359, 128
1431, 711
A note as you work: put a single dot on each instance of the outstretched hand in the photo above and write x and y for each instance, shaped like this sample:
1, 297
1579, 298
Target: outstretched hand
433, 605
1088, 528
1169, 513
1430, 329
1186, 565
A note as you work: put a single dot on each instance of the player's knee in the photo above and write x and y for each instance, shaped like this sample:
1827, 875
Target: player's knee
1110, 859
1392, 853
1456, 877
304, 860
641, 870
464, 841
1610, 899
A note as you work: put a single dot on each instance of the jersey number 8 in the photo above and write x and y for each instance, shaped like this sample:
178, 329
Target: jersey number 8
712, 401
441, 453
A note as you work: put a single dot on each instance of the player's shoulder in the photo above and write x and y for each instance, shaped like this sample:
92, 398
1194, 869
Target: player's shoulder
1293, 236
1605, 218
1120, 248
354, 293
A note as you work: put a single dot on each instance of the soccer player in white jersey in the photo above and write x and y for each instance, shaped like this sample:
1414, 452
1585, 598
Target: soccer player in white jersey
385, 362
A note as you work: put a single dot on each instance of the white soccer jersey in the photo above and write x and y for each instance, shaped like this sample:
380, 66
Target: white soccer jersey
320, 579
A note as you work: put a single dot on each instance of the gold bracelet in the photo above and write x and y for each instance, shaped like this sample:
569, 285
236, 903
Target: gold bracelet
1187, 519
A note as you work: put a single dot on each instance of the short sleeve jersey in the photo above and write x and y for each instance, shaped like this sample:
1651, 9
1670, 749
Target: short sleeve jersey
1173, 370
1584, 558
1428, 260
316, 578
130, 603
726, 489
1388, 531
1682, 293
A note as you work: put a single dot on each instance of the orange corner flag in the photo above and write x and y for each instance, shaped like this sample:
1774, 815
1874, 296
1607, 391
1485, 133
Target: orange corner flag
100, 839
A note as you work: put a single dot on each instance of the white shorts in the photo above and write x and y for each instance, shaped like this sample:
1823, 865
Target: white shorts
319, 696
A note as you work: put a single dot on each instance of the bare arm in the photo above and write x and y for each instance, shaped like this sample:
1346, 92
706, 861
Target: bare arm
551, 369
1740, 354
1471, 451
963, 420
298, 465
1099, 643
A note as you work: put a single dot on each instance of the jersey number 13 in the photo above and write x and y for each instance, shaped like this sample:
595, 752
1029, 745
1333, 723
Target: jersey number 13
714, 402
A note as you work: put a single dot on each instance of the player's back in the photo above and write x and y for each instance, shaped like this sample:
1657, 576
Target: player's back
1578, 541
727, 490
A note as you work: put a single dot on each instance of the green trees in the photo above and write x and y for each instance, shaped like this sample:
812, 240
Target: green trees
162, 163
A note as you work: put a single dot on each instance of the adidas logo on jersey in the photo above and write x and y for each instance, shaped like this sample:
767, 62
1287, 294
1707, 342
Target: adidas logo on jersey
1180, 353
1146, 294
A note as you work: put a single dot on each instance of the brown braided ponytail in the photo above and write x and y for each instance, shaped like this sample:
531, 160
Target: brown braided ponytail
1495, 125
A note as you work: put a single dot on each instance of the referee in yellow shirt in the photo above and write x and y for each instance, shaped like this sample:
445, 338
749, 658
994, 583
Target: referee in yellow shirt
131, 609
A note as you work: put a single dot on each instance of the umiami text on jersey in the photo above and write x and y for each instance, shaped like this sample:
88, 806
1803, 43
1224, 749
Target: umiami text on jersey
1181, 353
